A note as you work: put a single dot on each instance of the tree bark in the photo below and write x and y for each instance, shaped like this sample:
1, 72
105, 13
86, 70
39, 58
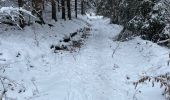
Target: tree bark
37, 9
53, 4
63, 9
21, 18
76, 8
82, 7
58, 1
69, 9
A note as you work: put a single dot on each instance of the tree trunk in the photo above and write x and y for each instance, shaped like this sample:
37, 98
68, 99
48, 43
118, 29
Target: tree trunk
21, 18
82, 7
37, 9
58, 1
63, 9
53, 4
69, 9
76, 8
115, 11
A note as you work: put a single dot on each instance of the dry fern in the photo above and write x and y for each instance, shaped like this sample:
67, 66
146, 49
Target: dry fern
163, 80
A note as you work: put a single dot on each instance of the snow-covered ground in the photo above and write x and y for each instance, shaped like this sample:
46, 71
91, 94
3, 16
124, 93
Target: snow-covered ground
95, 72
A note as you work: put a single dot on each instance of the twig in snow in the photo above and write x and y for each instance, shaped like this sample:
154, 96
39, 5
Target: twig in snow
136, 92
35, 37
120, 37
163, 41
36, 88
33, 97
4, 90
114, 51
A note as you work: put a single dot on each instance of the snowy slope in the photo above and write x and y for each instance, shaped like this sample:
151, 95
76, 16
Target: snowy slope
92, 73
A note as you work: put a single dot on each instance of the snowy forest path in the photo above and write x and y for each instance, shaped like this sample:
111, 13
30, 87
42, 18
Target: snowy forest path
98, 76
93, 73
89, 74
102, 76
98, 61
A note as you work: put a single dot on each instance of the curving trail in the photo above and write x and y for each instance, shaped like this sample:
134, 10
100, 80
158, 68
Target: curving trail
92, 73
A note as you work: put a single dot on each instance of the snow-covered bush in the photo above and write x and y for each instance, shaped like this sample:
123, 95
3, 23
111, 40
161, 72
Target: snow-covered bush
146, 18
167, 16
12, 14
153, 28
135, 24
11, 11
151, 22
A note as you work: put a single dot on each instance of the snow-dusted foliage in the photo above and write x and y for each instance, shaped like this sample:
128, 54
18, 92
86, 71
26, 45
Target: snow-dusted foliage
151, 22
11, 11
12, 14
146, 18
150, 27
166, 5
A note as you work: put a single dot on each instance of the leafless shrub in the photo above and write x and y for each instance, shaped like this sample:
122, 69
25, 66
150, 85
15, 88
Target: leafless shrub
9, 85
162, 80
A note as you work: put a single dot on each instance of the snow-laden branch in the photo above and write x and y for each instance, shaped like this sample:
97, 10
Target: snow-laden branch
14, 14
11, 11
